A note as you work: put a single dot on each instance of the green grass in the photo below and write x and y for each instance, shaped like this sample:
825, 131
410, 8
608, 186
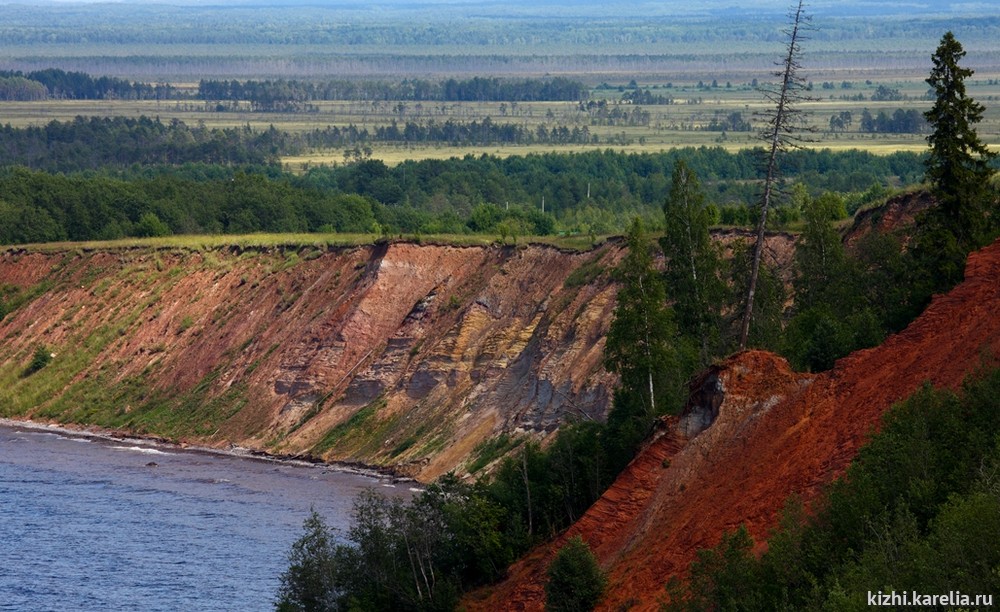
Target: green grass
314, 242
12, 298
586, 273
349, 427
488, 451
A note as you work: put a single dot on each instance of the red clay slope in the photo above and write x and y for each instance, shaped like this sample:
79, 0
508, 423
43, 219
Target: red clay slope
778, 433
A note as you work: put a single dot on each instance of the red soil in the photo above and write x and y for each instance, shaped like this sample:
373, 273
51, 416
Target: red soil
778, 433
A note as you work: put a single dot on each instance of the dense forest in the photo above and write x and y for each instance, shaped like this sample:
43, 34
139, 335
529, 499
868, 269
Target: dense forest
146, 170
282, 94
61, 85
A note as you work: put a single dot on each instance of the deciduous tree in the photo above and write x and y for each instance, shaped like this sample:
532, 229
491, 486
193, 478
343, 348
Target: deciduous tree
575, 580
693, 264
310, 582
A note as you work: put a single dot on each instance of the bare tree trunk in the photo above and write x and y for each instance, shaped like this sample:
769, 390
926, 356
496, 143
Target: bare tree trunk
527, 488
649, 357
778, 137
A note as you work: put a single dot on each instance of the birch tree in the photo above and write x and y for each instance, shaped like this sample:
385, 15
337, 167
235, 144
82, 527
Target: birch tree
693, 263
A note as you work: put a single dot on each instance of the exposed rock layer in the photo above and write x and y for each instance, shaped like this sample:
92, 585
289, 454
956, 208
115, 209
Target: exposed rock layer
776, 433
398, 355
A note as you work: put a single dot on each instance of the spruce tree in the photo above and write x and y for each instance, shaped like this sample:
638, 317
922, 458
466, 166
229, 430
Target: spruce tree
958, 163
640, 343
782, 131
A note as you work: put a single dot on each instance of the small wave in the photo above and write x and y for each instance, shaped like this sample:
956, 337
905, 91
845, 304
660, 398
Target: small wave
211, 481
140, 449
47, 434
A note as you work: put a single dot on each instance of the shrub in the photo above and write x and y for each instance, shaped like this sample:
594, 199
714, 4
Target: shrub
575, 580
41, 358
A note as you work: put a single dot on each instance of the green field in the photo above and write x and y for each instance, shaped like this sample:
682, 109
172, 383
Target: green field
631, 127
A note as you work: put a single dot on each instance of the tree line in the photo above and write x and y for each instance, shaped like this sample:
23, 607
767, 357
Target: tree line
265, 93
198, 199
54, 83
451, 132
278, 94
588, 193
120, 142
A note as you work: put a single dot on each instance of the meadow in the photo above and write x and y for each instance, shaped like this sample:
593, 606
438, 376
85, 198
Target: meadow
610, 121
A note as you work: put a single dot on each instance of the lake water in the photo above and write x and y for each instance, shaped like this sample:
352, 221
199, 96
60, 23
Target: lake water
89, 524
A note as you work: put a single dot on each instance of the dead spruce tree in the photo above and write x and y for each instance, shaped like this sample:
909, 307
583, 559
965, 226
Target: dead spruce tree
783, 131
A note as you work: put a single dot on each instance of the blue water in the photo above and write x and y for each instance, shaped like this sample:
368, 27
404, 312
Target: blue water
89, 524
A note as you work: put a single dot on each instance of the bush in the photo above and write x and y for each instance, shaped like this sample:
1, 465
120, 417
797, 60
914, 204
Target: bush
575, 581
41, 358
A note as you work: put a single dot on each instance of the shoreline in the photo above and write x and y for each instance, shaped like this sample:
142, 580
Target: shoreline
92, 432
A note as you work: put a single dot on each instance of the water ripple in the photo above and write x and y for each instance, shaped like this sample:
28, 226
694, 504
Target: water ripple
97, 527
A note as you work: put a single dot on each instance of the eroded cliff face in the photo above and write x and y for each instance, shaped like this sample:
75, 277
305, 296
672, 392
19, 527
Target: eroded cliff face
755, 433
398, 355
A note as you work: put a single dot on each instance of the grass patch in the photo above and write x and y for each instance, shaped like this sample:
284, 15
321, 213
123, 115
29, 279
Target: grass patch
587, 272
200, 243
342, 430
12, 297
488, 451
41, 358
404, 446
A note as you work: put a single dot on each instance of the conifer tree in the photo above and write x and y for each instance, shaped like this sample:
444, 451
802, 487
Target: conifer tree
639, 345
958, 164
642, 349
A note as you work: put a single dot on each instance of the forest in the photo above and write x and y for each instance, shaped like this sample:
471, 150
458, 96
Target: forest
100, 178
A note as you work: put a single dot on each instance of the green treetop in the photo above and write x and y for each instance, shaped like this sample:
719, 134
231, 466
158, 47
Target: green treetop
693, 263
958, 164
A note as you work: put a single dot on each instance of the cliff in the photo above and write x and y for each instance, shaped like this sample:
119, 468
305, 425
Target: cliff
753, 434
397, 355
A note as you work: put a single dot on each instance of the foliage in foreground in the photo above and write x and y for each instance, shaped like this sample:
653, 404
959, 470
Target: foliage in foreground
575, 581
310, 581
918, 510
